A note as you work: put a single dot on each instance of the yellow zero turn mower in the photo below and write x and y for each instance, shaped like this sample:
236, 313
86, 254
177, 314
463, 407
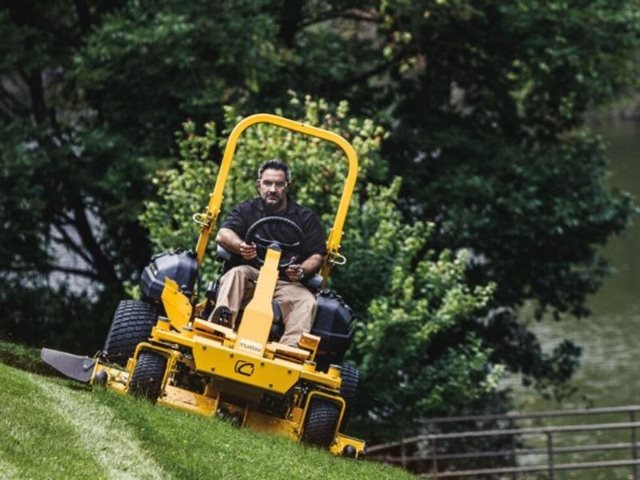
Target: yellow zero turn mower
163, 347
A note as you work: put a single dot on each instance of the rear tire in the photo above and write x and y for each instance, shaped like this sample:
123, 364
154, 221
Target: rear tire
132, 324
349, 390
320, 423
147, 375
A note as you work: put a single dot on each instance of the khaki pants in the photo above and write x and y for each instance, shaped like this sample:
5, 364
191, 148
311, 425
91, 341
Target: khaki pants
297, 303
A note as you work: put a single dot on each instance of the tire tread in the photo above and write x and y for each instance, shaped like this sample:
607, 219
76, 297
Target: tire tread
320, 423
132, 324
147, 375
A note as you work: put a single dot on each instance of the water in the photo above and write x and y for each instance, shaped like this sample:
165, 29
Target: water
608, 375
610, 371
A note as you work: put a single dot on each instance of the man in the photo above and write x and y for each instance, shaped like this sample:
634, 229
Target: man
297, 303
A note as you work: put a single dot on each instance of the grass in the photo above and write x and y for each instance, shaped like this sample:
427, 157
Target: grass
24, 358
55, 429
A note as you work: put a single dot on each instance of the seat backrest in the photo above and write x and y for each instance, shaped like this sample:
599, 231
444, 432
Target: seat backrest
222, 254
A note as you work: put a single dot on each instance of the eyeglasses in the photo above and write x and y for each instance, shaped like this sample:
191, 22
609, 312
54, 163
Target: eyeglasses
268, 184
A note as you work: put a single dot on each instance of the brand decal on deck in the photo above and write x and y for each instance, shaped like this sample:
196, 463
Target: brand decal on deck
244, 368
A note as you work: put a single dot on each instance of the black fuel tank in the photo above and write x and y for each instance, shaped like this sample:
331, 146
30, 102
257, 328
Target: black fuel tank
334, 324
180, 265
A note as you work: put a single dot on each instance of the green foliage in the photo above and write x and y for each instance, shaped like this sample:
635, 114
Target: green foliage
419, 300
179, 58
488, 136
405, 295
501, 160
557, 214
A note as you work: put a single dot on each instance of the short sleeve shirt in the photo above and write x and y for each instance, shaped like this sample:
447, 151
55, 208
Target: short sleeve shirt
248, 212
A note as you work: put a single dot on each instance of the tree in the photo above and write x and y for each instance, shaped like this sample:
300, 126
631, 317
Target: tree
408, 298
60, 181
483, 102
90, 97
486, 104
489, 136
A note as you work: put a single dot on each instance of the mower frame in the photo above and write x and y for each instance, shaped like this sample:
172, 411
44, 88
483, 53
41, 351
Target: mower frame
209, 369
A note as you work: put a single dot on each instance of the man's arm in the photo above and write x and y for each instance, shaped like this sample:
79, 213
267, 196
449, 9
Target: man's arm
232, 242
298, 272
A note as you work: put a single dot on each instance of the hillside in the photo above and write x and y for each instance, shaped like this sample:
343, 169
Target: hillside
56, 429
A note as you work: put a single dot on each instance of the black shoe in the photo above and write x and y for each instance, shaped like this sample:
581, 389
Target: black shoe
222, 316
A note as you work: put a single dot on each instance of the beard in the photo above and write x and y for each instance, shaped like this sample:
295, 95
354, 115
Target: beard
274, 203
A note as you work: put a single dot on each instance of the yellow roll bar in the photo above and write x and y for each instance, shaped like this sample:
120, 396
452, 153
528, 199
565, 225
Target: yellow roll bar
209, 218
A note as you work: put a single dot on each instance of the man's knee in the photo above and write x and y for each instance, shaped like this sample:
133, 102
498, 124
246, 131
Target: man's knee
299, 312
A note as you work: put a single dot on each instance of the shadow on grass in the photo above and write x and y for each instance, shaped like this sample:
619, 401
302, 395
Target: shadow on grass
24, 358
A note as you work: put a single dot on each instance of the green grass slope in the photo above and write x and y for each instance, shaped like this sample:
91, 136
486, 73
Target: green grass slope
55, 429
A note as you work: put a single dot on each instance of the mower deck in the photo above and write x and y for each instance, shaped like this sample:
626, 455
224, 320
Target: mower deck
188, 401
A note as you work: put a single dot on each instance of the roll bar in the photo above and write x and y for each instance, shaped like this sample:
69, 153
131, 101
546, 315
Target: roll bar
208, 220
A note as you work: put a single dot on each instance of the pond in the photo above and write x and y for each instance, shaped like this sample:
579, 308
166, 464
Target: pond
609, 374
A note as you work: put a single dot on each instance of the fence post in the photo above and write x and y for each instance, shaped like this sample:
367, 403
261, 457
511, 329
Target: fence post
634, 445
550, 455
514, 446
403, 454
434, 457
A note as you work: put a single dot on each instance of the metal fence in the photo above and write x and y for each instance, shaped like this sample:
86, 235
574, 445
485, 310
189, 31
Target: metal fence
518, 445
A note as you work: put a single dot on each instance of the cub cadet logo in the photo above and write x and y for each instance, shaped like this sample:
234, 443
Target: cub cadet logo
244, 368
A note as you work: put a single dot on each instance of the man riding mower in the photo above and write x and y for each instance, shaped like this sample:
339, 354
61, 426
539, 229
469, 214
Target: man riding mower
266, 354
296, 228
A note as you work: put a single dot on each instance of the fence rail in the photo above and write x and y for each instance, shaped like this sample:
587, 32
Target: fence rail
431, 454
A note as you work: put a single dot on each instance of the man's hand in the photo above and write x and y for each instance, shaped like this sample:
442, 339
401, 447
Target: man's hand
233, 243
295, 272
247, 250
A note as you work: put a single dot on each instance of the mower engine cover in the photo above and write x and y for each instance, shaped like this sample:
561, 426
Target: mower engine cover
334, 324
181, 266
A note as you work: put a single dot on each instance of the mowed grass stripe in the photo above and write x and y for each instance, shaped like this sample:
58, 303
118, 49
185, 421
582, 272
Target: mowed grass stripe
107, 438
7, 470
198, 447
55, 429
36, 440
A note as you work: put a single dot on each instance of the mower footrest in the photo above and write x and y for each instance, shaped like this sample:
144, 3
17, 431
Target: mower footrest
285, 352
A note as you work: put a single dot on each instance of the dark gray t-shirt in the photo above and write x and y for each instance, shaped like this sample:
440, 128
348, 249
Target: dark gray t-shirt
248, 212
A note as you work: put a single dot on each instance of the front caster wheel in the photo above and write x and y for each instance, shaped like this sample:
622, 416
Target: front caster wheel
321, 423
147, 376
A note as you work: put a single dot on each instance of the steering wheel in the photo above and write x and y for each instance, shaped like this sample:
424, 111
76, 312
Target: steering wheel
261, 234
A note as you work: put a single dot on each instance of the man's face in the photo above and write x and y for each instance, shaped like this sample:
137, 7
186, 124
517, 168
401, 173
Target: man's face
273, 189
